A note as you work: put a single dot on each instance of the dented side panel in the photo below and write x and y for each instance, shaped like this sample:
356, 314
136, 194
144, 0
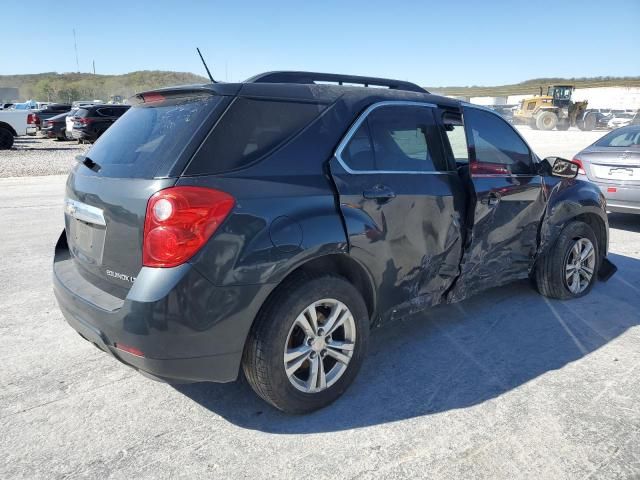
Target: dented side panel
504, 236
412, 243
567, 200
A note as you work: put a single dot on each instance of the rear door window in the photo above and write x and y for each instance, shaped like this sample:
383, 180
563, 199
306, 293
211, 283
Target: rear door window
250, 130
151, 137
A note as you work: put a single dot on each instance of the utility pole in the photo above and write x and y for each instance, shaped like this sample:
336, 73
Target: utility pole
75, 46
94, 67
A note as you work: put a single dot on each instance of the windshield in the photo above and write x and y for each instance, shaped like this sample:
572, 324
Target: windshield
627, 138
150, 136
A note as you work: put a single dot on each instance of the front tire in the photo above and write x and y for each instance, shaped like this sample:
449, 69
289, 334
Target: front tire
569, 269
546, 120
308, 343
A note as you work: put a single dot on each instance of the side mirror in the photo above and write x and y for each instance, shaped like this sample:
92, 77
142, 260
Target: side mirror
559, 167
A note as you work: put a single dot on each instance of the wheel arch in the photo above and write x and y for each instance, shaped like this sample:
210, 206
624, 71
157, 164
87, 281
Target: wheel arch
575, 201
6, 126
340, 264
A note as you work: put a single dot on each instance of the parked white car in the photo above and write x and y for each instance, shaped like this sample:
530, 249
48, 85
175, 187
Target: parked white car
620, 120
15, 123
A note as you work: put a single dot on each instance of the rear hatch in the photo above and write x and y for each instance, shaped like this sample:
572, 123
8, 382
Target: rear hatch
107, 192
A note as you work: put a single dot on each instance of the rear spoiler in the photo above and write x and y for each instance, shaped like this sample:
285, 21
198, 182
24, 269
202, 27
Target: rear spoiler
185, 91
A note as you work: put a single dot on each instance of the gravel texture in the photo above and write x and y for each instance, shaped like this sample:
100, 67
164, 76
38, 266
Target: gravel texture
32, 156
505, 385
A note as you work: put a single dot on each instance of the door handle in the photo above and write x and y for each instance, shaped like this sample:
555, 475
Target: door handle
380, 193
492, 199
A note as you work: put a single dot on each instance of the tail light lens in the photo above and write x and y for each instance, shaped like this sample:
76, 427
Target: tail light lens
179, 221
580, 166
32, 119
82, 120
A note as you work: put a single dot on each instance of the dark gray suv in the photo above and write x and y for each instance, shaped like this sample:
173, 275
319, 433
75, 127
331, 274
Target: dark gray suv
266, 226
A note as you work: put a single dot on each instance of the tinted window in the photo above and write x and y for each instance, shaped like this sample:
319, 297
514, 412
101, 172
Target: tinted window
150, 136
401, 138
250, 129
358, 154
496, 147
82, 112
626, 138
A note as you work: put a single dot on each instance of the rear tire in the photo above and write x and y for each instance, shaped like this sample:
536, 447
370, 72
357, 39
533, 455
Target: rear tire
280, 355
6, 139
532, 124
546, 120
554, 276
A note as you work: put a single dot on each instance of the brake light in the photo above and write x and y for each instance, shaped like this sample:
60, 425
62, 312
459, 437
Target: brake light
82, 120
32, 119
153, 97
179, 221
580, 166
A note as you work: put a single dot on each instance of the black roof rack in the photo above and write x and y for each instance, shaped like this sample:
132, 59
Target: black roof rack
313, 77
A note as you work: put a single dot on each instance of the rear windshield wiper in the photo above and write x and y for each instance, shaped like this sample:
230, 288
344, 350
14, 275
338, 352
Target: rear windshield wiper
87, 162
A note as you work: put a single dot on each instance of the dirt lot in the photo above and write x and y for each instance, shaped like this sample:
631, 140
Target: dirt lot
504, 385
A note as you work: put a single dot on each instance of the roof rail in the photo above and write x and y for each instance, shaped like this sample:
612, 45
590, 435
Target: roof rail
313, 77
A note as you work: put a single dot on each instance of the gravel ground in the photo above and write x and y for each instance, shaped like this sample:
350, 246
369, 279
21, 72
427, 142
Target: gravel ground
32, 156
42, 156
505, 385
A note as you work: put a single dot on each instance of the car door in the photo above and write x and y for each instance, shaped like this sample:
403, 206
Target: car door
506, 207
402, 204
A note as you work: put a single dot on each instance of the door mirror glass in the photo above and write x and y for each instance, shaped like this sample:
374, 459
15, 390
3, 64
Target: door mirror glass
560, 167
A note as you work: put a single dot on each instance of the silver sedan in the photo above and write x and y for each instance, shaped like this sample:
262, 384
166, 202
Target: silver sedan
613, 163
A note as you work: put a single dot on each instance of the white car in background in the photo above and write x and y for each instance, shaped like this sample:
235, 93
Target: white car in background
620, 120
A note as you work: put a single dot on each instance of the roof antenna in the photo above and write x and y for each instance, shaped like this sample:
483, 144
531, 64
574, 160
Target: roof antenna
205, 66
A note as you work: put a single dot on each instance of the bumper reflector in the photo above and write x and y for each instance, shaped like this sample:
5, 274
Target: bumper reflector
132, 350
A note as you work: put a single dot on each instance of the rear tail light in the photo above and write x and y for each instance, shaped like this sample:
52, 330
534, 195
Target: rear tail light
32, 119
82, 120
179, 221
580, 166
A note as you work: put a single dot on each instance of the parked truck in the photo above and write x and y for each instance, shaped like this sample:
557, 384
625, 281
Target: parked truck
15, 123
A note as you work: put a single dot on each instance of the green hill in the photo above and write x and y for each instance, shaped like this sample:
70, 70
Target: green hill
59, 87
65, 87
533, 86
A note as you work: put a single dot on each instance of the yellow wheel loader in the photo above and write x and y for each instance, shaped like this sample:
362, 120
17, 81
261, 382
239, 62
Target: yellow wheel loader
555, 110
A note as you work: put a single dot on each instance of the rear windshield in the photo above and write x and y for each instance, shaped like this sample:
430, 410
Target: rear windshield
249, 130
81, 112
150, 137
621, 138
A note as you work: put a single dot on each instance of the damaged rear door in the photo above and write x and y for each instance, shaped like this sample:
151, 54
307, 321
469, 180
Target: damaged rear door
401, 203
506, 205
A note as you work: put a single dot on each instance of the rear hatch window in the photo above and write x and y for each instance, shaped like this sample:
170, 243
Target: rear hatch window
250, 130
150, 138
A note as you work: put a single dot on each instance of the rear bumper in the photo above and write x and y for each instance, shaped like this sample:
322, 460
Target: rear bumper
621, 199
82, 135
187, 329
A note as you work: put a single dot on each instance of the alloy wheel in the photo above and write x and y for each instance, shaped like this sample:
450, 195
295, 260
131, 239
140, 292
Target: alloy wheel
580, 265
319, 346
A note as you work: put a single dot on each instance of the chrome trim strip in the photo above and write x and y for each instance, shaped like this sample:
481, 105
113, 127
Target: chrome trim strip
354, 128
84, 212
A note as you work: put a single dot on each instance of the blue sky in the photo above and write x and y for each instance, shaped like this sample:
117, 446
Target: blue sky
432, 43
